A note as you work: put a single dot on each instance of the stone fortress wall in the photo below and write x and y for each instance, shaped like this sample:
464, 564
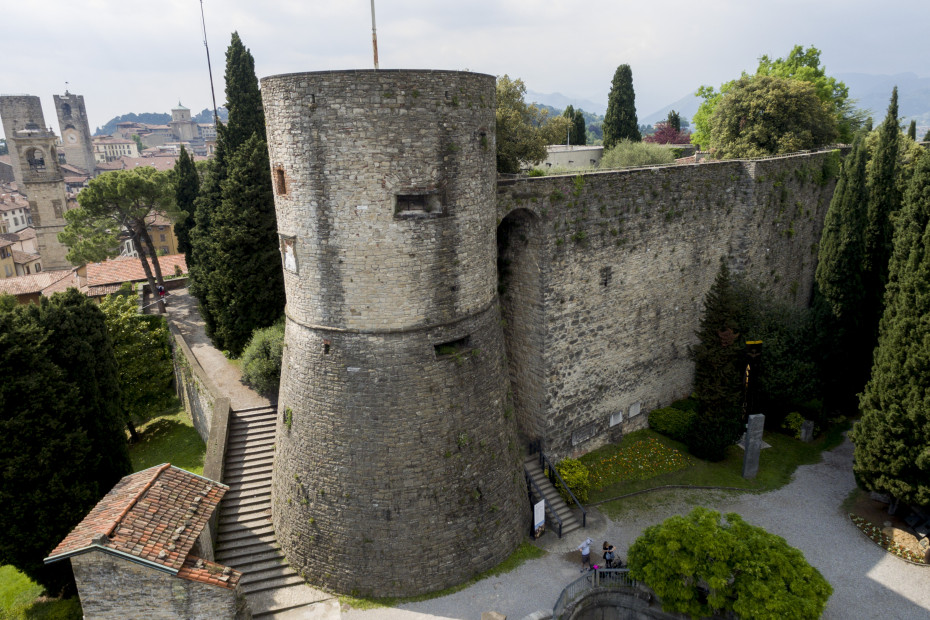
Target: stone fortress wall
603, 278
397, 461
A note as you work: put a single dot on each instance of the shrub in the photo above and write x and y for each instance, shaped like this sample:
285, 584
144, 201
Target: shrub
576, 476
741, 568
536, 172
686, 404
672, 422
261, 360
627, 153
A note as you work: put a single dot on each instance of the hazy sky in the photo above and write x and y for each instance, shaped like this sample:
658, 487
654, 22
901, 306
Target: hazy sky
146, 55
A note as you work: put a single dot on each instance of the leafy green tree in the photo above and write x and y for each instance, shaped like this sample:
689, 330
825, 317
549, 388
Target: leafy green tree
673, 120
143, 359
912, 130
763, 115
261, 360
628, 153
718, 380
927, 136
800, 65
114, 204
138, 141
214, 266
620, 121
884, 201
840, 282
186, 188
518, 140
62, 444
555, 129
247, 285
739, 567
892, 439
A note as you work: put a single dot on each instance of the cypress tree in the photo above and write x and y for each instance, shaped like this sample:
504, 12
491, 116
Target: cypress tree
620, 121
912, 131
884, 200
927, 136
674, 120
718, 381
579, 130
186, 188
247, 288
246, 118
892, 439
840, 282
62, 444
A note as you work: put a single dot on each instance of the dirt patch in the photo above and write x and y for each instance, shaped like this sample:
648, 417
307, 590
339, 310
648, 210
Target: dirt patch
892, 526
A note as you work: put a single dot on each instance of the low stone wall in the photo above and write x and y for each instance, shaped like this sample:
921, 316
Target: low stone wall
195, 388
115, 589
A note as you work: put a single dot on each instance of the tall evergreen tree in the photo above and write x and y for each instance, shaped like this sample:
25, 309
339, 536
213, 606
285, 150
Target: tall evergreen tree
186, 188
884, 200
579, 130
207, 269
912, 131
674, 120
718, 381
892, 439
840, 282
247, 287
620, 121
927, 136
62, 444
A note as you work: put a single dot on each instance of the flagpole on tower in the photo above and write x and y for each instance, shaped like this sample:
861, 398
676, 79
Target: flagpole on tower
374, 33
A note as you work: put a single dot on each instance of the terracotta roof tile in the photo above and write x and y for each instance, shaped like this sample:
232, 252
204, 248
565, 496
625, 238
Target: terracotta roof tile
34, 283
22, 257
129, 269
204, 571
155, 515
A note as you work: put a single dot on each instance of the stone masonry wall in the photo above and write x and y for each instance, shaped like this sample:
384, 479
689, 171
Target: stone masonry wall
114, 589
611, 292
397, 466
194, 387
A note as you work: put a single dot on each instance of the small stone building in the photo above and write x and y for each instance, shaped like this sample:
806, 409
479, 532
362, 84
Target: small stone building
132, 555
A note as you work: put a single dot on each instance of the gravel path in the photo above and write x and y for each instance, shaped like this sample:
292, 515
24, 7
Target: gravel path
867, 581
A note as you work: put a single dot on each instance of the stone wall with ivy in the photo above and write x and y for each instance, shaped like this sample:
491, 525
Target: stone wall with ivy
603, 276
195, 388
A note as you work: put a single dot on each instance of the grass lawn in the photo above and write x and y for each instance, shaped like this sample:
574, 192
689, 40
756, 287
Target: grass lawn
169, 438
18, 596
645, 459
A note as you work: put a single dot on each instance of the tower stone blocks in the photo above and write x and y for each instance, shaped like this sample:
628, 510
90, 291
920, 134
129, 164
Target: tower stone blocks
396, 468
34, 155
76, 140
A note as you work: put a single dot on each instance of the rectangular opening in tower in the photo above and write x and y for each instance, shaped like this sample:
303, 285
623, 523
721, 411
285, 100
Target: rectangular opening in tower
453, 347
426, 203
279, 184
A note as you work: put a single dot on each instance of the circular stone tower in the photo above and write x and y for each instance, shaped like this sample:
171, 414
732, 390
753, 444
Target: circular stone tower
396, 469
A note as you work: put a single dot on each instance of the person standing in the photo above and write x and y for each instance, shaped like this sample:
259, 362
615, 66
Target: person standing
609, 554
585, 549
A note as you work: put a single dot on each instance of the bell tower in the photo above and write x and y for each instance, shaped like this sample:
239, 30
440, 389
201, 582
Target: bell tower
76, 141
34, 154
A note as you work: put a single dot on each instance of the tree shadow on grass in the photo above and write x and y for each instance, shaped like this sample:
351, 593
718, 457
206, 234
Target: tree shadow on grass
67, 609
168, 440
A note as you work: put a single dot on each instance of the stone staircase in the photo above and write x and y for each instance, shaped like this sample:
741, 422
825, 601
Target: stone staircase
245, 537
569, 522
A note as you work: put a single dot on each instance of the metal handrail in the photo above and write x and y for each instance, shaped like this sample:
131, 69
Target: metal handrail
600, 579
544, 462
530, 481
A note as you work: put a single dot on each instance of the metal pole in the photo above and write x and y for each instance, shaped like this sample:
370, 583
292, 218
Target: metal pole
216, 118
374, 33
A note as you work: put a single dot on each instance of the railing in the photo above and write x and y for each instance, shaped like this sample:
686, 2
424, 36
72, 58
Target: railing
600, 579
530, 486
553, 475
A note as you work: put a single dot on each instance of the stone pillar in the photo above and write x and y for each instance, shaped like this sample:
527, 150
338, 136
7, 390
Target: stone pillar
753, 445
807, 431
396, 468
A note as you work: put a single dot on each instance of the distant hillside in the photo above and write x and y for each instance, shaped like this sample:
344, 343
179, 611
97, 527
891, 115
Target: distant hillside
560, 102
154, 118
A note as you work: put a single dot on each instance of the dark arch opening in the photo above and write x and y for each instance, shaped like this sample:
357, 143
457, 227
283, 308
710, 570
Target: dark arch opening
519, 287
65, 110
35, 159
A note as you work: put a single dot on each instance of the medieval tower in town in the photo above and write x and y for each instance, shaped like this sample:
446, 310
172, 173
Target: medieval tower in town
397, 465
76, 140
34, 155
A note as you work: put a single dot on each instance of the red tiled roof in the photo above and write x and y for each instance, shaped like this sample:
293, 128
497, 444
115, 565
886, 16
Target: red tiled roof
129, 269
26, 233
22, 257
34, 283
63, 285
204, 571
110, 165
154, 515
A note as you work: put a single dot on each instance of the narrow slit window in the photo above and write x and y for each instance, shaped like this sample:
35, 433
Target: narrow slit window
453, 347
279, 185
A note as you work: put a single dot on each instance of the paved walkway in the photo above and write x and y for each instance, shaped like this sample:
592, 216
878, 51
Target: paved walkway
867, 582
182, 312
